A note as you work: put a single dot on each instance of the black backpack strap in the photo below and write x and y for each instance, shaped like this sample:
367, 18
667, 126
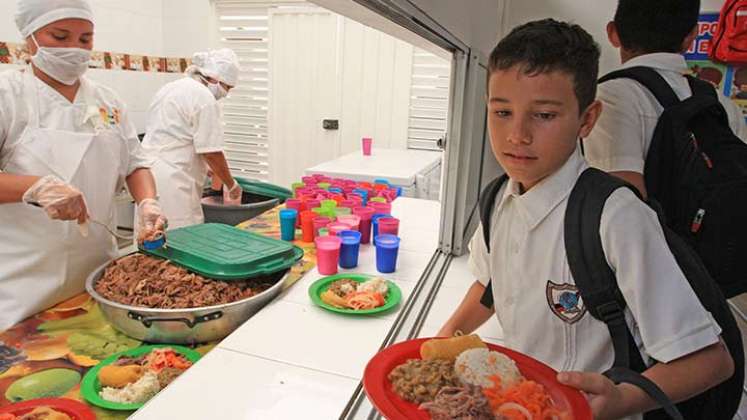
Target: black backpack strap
701, 87
596, 281
487, 204
650, 79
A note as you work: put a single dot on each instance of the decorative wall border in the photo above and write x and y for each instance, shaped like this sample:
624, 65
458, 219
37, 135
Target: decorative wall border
14, 53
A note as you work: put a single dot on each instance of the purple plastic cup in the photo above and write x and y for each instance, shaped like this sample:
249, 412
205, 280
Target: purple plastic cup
327, 254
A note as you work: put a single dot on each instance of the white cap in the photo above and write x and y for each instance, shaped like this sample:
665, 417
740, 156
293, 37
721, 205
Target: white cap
32, 15
222, 65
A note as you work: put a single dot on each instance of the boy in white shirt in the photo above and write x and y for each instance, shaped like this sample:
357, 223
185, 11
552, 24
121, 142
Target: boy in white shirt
651, 34
541, 89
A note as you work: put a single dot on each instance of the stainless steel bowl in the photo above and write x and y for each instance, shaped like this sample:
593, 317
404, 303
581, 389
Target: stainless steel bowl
181, 326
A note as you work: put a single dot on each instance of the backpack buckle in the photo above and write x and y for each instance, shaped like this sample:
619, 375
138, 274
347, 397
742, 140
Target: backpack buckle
611, 312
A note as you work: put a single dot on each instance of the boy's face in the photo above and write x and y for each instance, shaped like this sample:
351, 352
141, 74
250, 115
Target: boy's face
534, 122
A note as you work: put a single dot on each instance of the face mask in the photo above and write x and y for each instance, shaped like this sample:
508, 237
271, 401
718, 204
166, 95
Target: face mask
218, 91
66, 65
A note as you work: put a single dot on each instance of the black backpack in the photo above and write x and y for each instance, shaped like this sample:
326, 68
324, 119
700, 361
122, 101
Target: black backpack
598, 288
696, 169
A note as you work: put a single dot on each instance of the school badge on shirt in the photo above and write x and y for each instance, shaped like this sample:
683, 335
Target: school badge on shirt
565, 301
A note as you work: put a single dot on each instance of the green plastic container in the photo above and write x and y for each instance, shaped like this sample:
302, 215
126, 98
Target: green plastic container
223, 252
264, 188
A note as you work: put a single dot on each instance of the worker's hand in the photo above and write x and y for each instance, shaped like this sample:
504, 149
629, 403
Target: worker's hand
605, 398
232, 195
60, 200
151, 221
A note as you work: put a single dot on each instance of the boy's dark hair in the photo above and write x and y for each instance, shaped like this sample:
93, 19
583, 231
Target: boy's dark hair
649, 26
547, 45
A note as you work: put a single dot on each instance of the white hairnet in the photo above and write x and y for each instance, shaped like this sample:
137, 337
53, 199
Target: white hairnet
222, 65
32, 15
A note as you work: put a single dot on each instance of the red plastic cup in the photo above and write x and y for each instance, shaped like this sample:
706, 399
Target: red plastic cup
365, 213
327, 254
307, 225
388, 226
353, 220
366, 143
297, 205
320, 222
381, 208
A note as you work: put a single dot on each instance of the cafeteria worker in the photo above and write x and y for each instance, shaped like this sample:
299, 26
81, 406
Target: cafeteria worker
67, 146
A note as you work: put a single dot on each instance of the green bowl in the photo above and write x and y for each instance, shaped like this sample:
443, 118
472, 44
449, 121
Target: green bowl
320, 286
90, 386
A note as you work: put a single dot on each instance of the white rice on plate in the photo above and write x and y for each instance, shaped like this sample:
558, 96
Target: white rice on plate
134, 393
476, 366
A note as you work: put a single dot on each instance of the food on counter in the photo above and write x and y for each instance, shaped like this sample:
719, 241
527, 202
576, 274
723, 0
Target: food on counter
38, 413
350, 294
477, 366
141, 280
459, 403
135, 380
419, 380
44, 384
119, 376
450, 348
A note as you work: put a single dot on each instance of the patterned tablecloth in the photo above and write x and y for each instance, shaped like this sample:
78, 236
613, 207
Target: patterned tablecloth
73, 337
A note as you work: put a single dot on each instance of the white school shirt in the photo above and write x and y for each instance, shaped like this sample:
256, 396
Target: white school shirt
534, 292
622, 136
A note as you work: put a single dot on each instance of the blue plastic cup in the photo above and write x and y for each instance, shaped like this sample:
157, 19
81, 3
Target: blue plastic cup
288, 224
351, 243
387, 248
363, 193
375, 224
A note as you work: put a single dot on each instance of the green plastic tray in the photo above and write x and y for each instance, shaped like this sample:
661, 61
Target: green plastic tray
265, 189
90, 386
224, 252
320, 286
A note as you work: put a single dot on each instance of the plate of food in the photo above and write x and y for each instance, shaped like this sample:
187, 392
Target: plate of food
127, 380
445, 378
47, 409
355, 294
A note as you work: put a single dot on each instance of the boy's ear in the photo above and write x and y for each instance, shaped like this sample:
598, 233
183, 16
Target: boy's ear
589, 118
612, 35
689, 39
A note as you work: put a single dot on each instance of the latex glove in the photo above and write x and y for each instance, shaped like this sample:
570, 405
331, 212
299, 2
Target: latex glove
233, 195
151, 221
60, 200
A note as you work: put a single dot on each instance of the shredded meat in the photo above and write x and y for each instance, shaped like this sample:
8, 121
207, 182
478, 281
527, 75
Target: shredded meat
141, 280
460, 403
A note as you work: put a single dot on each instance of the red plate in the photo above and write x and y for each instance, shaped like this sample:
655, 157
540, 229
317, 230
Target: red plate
74, 409
379, 389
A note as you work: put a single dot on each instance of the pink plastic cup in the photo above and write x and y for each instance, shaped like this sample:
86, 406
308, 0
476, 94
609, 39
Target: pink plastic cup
388, 226
327, 254
312, 204
320, 222
349, 203
337, 227
293, 203
366, 142
351, 219
365, 213
381, 208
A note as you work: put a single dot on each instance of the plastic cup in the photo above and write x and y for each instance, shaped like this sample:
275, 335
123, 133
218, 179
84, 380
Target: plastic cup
387, 248
388, 226
296, 186
336, 190
320, 222
351, 219
350, 248
328, 204
288, 219
296, 204
375, 224
363, 194
307, 226
342, 211
320, 211
365, 213
313, 203
366, 143
347, 203
309, 180
324, 185
399, 191
378, 200
323, 232
381, 208
337, 227
327, 254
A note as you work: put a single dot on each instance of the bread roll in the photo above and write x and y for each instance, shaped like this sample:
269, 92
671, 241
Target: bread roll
119, 376
450, 348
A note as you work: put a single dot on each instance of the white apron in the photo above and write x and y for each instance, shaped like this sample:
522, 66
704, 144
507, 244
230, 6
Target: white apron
44, 261
180, 175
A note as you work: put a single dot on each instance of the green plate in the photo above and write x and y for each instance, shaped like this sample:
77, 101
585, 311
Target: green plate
320, 286
90, 386
224, 252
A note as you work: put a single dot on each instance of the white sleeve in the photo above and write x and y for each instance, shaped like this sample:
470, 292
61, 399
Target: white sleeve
617, 142
137, 157
479, 259
670, 318
208, 134
736, 118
